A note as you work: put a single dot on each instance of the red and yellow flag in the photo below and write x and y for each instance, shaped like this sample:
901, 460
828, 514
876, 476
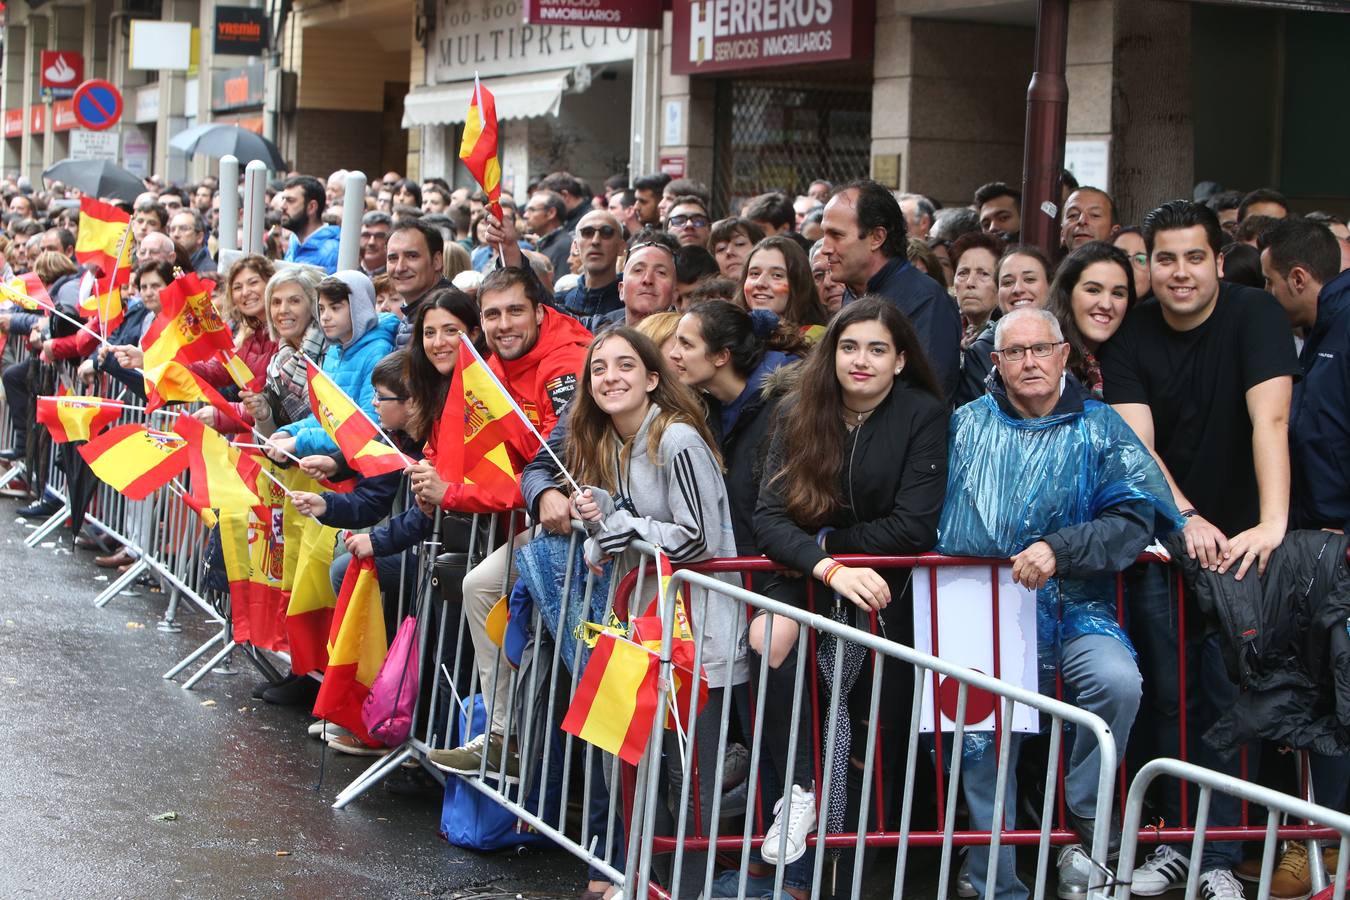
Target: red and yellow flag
647, 630
308, 554
134, 460
76, 418
102, 301
171, 382
254, 555
357, 646
616, 698
102, 227
353, 432
240, 373
473, 443
28, 291
478, 148
216, 482
187, 329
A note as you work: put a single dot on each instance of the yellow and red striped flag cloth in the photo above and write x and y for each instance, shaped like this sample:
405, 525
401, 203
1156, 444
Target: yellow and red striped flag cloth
76, 418
647, 630
357, 645
478, 147
216, 482
171, 382
102, 227
473, 445
616, 698
102, 301
28, 291
308, 554
187, 329
353, 432
240, 373
251, 546
134, 460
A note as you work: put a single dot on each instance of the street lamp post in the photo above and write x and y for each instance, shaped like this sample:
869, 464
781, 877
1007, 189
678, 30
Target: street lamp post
1047, 115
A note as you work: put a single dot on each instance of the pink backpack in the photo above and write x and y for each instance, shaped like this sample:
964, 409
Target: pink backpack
388, 709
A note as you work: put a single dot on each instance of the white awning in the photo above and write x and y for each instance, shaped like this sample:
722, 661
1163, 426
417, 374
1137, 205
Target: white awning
518, 97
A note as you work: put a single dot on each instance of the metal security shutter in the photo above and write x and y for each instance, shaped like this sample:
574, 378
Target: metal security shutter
781, 135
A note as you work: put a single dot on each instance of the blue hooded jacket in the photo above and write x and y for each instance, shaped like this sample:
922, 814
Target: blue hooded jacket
350, 364
319, 249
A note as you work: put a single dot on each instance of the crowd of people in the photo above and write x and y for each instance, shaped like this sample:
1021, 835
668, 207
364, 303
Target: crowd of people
845, 371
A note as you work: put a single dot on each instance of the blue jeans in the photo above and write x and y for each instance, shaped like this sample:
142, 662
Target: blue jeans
1152, 609
1100, 677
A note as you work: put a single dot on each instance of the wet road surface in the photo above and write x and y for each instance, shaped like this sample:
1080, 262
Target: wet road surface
99, 746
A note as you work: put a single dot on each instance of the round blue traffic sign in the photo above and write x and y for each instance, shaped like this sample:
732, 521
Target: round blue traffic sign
98, 105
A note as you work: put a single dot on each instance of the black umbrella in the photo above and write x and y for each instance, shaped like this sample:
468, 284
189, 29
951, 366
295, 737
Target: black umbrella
97, 178
218, 139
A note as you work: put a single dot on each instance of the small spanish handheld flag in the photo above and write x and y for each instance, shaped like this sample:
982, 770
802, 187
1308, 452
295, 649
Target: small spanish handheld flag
240, 373
616, 698
187, 329
103, 228
102, 301
357, 646
76, 418
134, 460
216, 482
353, 432
478, 148
28, 291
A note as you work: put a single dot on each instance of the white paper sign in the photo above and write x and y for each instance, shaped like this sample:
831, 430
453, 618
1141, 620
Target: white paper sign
1089, 161
94, 144
965, 636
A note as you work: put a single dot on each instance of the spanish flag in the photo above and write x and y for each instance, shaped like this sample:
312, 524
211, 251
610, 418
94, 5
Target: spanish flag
102, 302
102, 229
216, 482
134, 460
254, 555
76, 418
28, 291
357, 646
187, 329
647, 630
171, 382
473, 441
241, 374
616, 699
350, 428
478, 148
308, 554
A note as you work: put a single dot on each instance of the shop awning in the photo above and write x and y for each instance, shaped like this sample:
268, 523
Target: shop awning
518, 97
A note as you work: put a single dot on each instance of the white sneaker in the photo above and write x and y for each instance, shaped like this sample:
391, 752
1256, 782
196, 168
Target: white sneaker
1164, 870
801, 821
1075, 872
1219, 884
324, 730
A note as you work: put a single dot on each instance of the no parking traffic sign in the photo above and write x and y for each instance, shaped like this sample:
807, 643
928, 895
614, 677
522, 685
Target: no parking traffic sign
98, 105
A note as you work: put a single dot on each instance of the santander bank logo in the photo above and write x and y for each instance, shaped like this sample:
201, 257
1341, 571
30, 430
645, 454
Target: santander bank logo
60, 72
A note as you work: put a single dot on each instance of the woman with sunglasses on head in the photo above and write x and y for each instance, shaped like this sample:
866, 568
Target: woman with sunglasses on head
858, 464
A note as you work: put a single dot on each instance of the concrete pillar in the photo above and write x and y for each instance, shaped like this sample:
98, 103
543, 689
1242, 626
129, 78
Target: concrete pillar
31, 152
892, 81
67, 32
11, 90
696, 103
172, 93
1153, 144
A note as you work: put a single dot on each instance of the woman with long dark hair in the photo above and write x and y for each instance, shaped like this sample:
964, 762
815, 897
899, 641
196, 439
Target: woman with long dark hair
1090, 296
442, 322
777, 277
857, 465
729, 355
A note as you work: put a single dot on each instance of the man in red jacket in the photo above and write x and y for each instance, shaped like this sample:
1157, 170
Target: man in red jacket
538, 354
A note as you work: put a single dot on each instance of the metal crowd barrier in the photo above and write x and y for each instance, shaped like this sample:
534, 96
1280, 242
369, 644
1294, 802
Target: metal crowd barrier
1333, 824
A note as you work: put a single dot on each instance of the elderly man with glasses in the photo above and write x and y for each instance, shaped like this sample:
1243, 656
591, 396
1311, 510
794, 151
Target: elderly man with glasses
599, 241
1056, 482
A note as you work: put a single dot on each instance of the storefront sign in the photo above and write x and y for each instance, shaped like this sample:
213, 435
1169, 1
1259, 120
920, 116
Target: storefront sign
240, 88
672, 166
240, 30
602, 13
61, 71
734, 35
37, 119
13, 123
491, 39
147, 104
63, 115
136, 147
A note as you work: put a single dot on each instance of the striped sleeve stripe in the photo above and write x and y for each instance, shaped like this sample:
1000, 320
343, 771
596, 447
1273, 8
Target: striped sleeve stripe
696, 546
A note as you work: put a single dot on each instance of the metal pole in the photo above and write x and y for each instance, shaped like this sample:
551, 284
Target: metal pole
1047, 114
228, 239
353, 210
255, 199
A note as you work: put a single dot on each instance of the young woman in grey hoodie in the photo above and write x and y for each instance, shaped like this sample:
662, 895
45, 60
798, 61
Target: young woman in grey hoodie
639, 445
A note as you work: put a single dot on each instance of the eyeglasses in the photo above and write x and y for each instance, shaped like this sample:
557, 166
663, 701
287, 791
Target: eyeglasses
633, 248
1139, 259
681, 221
1017, 354
588, 231
385, 398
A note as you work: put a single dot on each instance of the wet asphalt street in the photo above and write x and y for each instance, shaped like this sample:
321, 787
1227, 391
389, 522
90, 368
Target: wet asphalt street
101, 748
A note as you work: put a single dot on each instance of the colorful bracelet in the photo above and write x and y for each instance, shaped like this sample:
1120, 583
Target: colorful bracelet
830, 571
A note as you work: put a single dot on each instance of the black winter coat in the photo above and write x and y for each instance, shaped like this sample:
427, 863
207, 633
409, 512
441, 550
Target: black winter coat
891, 486
1286, 643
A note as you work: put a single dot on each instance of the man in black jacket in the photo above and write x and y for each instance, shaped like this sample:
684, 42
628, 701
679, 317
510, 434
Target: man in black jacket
865, 245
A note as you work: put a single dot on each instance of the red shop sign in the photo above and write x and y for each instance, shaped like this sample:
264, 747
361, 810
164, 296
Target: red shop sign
37, 118
597, 13
735, 35
13, 123
63, 115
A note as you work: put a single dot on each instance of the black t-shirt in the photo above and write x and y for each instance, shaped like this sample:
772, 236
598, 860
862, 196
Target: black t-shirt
1195, 382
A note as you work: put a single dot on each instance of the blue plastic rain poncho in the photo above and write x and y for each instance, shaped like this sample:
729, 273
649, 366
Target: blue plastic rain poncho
1078, 478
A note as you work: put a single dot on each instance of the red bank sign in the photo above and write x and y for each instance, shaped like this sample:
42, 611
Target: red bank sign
598, 13
732, 35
